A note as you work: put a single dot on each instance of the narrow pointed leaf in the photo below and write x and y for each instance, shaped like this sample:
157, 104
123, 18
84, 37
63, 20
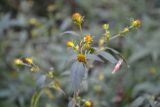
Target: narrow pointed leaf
108, 57
72, 103
35, 98
69, 32
77, 74
94, 57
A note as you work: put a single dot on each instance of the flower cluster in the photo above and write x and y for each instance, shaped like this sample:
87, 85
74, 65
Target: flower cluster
81, 48
107, 36
84, 55
28, 62
84, 51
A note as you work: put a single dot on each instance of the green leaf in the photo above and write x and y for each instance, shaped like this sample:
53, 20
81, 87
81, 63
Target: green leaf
72, 103
138, 55
91, 50
77, 74
94, 57
138, 102
116, 53
108, 57
35, 98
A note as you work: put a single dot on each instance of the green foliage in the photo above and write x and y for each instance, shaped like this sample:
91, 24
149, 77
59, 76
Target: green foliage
28, 29
35, 98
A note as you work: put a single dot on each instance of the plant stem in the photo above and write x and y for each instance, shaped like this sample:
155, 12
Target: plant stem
80, 28
81, 35
116, 36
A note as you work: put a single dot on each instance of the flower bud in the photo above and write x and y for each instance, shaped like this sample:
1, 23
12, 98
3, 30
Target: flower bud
88, 103
136, 23
70, 44
77, 18
105, 26
18, 61
125, 30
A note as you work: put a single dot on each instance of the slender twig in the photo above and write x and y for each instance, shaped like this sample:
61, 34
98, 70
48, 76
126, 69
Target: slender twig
116, 36
80, 28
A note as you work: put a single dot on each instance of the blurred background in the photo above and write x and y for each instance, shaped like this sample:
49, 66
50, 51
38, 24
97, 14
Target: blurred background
33, 27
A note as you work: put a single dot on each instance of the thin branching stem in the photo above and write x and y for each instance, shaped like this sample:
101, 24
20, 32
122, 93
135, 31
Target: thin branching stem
116, 36
81, 32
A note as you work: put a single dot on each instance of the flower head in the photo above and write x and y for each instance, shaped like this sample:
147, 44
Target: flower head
88, 39
105, 26
125, 30
88, 103
136, 23
28, 60
70, 44
77, 18
18, 61
81, 58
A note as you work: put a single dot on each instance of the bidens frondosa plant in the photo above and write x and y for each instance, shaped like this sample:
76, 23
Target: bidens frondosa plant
85, 53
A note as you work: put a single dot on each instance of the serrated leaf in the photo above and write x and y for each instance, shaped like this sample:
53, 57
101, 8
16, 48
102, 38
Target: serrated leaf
94, 57
77, 74
108, 57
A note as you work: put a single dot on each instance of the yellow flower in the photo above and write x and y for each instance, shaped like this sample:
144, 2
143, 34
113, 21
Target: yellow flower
18, 61
136, 23
125, 30
88, 39
88, 103
81, 58
77, 18
28, 60
70, 44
